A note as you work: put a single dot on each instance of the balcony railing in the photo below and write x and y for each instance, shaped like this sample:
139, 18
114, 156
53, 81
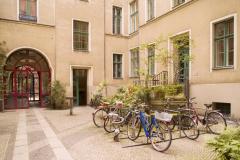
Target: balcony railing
156, 80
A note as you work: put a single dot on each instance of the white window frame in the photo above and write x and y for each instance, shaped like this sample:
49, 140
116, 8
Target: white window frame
122, 20
129, 16
89, 36
146, 10
123, 63
212, 23
146, 54
38, 18
130, 62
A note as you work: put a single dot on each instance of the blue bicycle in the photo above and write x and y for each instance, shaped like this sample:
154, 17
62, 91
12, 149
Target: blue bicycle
155, 130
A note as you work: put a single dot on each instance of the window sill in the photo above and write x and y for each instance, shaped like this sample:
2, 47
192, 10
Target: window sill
117, 78
84, 51
117, 34
222, 68
133, 33
150, 20
179, 5
134, 77
84, 0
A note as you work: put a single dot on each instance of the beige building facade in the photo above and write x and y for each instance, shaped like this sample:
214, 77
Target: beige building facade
96, 40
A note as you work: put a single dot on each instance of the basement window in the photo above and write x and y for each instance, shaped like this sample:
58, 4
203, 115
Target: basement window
224, 108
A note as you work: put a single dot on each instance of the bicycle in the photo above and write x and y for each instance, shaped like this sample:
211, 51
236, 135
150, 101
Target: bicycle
158, 133
100, 113
115, 120
212, 119
184, 122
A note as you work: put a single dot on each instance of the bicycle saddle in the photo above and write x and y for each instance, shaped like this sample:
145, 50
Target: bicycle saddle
208, 105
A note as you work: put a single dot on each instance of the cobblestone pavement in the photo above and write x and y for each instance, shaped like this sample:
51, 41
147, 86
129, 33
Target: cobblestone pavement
51, 135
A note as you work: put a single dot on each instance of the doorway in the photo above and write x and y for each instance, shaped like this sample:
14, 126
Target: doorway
27, 78
80, 87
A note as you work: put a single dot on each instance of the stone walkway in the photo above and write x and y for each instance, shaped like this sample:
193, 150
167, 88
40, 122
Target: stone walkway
42, 134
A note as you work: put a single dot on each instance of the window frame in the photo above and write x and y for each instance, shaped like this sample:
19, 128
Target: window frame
115, 75
26, 18
133, 15
176, 3
235, 56
133, 72
225, 38
151, 58
153, 11
114, 18
89, 36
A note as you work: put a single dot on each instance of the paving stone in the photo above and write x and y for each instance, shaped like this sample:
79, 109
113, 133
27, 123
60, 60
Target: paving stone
44, 153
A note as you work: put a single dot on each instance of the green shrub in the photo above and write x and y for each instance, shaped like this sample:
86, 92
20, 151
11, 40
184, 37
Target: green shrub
159, 92
227, 145
173, 90
58, 96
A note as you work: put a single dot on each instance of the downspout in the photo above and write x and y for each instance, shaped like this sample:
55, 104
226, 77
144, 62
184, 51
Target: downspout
104, 20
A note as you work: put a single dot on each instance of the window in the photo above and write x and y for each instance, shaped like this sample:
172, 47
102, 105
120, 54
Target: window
80, 35
117, 66
151, 60
135, 62
117, 20
133, 16
177, 2
28, 10
224, 43
150, 9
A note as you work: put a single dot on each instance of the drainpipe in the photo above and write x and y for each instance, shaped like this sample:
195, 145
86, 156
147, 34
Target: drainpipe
105, 75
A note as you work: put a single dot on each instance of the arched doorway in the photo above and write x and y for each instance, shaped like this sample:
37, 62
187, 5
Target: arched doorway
28, 80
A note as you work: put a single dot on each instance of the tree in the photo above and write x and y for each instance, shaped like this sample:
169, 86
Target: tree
177, 58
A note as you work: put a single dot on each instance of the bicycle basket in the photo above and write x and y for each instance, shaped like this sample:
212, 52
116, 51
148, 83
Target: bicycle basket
163, 116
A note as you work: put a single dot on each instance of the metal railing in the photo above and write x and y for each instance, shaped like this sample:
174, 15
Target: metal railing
156, 80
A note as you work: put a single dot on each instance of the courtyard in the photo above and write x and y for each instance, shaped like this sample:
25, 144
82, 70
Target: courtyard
43, 134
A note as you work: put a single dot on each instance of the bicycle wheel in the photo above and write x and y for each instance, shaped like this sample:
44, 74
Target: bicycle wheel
98, 117
161, 137
133, 128
189, 127
108, 126
216, 122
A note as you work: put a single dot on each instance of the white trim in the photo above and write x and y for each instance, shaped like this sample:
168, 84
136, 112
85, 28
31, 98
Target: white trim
155, 8
146, 10
38, 18
122, 21
90, 73
123, 63
38, 50
18, 7
89, 36
129, 64
170, 48
129, 19
235, 39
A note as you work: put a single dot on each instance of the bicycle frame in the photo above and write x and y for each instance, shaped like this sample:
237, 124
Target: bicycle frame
145, 124
195, 115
